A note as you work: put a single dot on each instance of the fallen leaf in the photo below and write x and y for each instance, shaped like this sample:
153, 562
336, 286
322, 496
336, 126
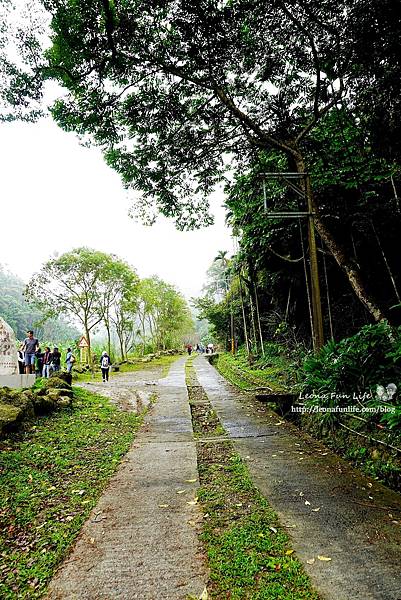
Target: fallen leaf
190, 480
69, 518
324, 558
204, 595
193, 502
289, 552
307, 503
92, 540
316, 509
273, 529
310, 561
180, 492
301, 494
164, 505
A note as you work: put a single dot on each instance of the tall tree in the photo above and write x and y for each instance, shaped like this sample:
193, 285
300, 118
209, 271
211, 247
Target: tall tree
168, 89
73, 284
118, 284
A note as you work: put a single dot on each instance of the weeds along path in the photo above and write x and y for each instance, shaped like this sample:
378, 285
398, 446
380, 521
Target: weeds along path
345, 528
249, 552
141, 540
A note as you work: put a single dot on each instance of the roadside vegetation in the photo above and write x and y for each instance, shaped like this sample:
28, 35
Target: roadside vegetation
249, 553
361, 371
52, 475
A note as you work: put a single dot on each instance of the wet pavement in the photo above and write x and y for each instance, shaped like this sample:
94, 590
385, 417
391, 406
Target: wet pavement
329, 509
141, 539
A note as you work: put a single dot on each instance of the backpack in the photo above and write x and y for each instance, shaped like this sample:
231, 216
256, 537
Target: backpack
72, 359
105, 362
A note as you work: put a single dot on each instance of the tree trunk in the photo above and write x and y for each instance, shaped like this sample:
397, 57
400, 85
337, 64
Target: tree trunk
88, 339
341, 255
107, 325
258, 319
244, 316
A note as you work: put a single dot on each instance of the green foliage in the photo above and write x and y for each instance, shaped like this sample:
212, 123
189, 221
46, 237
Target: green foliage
21, 316
181, 73
164, 316
356, 364
274, 372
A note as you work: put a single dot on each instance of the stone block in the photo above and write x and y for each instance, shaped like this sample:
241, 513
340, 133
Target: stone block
17, 381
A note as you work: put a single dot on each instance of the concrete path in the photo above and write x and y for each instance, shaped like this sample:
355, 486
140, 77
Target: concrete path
330, 509
141, 540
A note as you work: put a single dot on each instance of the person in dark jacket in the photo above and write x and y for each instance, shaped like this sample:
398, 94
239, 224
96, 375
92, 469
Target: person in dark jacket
47, 359
56, 359
105, 363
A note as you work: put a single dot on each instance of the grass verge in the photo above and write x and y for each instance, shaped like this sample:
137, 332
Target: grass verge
278, 376
51, 477
249, 553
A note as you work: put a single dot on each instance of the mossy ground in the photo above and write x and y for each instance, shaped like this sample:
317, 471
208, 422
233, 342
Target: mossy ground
52, 475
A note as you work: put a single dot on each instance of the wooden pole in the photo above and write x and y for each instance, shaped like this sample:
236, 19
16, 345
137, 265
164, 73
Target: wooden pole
318, 336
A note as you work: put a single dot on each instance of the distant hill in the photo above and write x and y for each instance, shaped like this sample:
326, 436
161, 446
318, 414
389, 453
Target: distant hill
20, 316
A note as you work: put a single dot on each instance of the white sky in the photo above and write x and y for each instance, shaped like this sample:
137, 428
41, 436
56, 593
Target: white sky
56, 195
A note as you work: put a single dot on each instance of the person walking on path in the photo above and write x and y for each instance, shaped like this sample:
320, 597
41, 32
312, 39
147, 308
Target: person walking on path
30, 347
69, 360
47, 359
105, 363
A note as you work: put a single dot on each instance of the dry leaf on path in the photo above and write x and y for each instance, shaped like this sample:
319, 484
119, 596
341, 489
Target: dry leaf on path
316, 509
204, 595
324, 558
190, 480
310, 561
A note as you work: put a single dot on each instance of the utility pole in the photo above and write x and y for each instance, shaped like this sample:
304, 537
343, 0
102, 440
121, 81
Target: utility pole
300, 184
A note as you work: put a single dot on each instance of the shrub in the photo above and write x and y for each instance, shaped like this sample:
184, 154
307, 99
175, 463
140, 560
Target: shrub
370, 358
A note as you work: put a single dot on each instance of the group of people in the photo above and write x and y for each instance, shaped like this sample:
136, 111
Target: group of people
201, 349
33, 361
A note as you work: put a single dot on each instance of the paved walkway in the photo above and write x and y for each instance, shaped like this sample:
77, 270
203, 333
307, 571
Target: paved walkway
141, 540
330, 509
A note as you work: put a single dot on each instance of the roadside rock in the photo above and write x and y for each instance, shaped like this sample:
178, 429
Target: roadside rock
9, 416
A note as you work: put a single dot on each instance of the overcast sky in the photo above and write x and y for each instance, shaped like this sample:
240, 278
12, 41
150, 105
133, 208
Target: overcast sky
57, 195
